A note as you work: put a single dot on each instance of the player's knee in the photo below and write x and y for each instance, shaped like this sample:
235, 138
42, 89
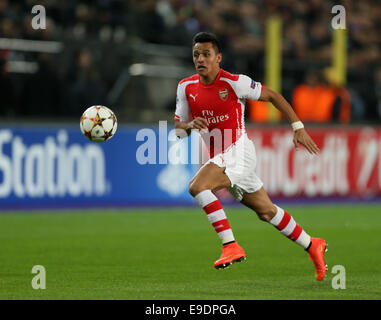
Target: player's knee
195, 188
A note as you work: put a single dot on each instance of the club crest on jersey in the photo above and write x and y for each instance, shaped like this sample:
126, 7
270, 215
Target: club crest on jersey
223, 94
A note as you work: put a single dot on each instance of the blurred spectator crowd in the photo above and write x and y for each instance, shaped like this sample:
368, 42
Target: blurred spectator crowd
240, 25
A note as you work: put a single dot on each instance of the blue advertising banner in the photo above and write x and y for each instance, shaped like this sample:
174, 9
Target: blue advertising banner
58, 167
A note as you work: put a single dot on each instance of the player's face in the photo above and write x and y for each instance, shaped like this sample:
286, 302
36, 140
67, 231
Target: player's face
205, 58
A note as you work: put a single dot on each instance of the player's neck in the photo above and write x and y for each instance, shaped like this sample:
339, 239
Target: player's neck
210, 78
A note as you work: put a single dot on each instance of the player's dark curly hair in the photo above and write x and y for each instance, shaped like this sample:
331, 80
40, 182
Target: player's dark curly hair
207, 37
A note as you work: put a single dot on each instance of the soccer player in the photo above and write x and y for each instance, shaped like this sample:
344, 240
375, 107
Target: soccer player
213, 102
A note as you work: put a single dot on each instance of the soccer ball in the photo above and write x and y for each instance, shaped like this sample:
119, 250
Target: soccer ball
98, 123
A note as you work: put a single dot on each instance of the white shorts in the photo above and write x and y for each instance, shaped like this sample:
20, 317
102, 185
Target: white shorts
240, 160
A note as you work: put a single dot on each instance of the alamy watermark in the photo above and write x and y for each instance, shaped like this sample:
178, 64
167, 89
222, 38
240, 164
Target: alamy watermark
169, 147
339, 280
39, 280
339, 20
39, 20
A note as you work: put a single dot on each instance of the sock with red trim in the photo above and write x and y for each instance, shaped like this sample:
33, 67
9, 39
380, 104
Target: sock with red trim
286, 224
216, 215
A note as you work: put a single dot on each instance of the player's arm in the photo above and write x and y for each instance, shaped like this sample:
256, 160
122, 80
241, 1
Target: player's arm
300, 134
184, 124
184, 129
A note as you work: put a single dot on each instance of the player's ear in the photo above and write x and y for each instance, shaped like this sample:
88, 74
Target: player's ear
219, 57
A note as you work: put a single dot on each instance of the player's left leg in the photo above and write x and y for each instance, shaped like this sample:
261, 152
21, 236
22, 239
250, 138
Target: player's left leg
260, 202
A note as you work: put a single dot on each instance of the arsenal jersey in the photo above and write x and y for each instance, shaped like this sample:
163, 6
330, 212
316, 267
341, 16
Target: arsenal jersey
221, 103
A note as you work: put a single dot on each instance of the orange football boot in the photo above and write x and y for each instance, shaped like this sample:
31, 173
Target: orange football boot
231, 253
316, 253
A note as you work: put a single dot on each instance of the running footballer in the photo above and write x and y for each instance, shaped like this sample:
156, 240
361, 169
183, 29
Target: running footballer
213, 102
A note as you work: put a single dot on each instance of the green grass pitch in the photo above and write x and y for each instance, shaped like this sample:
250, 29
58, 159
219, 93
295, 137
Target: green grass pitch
164, 254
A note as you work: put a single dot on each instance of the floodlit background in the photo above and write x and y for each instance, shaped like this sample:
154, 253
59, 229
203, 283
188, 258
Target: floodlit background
130, 54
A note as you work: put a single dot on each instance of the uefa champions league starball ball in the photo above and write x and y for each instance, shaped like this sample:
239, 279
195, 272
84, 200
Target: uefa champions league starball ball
98, 123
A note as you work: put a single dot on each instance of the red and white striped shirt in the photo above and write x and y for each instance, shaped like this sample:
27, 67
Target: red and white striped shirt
221, 103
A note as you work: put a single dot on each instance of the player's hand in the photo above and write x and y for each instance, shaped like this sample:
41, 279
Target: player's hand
302, 137
198, 123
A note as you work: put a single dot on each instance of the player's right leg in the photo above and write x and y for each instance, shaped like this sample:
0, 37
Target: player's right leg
212, 178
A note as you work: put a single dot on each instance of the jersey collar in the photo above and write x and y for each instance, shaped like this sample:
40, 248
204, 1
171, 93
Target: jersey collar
211, 84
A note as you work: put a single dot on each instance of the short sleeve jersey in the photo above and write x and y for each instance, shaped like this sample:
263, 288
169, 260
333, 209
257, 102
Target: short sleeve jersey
221, 103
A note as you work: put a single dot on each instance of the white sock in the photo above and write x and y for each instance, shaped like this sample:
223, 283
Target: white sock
216, 215
286, 224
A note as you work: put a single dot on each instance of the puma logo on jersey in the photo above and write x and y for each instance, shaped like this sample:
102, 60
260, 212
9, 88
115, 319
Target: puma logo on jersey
193, 97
